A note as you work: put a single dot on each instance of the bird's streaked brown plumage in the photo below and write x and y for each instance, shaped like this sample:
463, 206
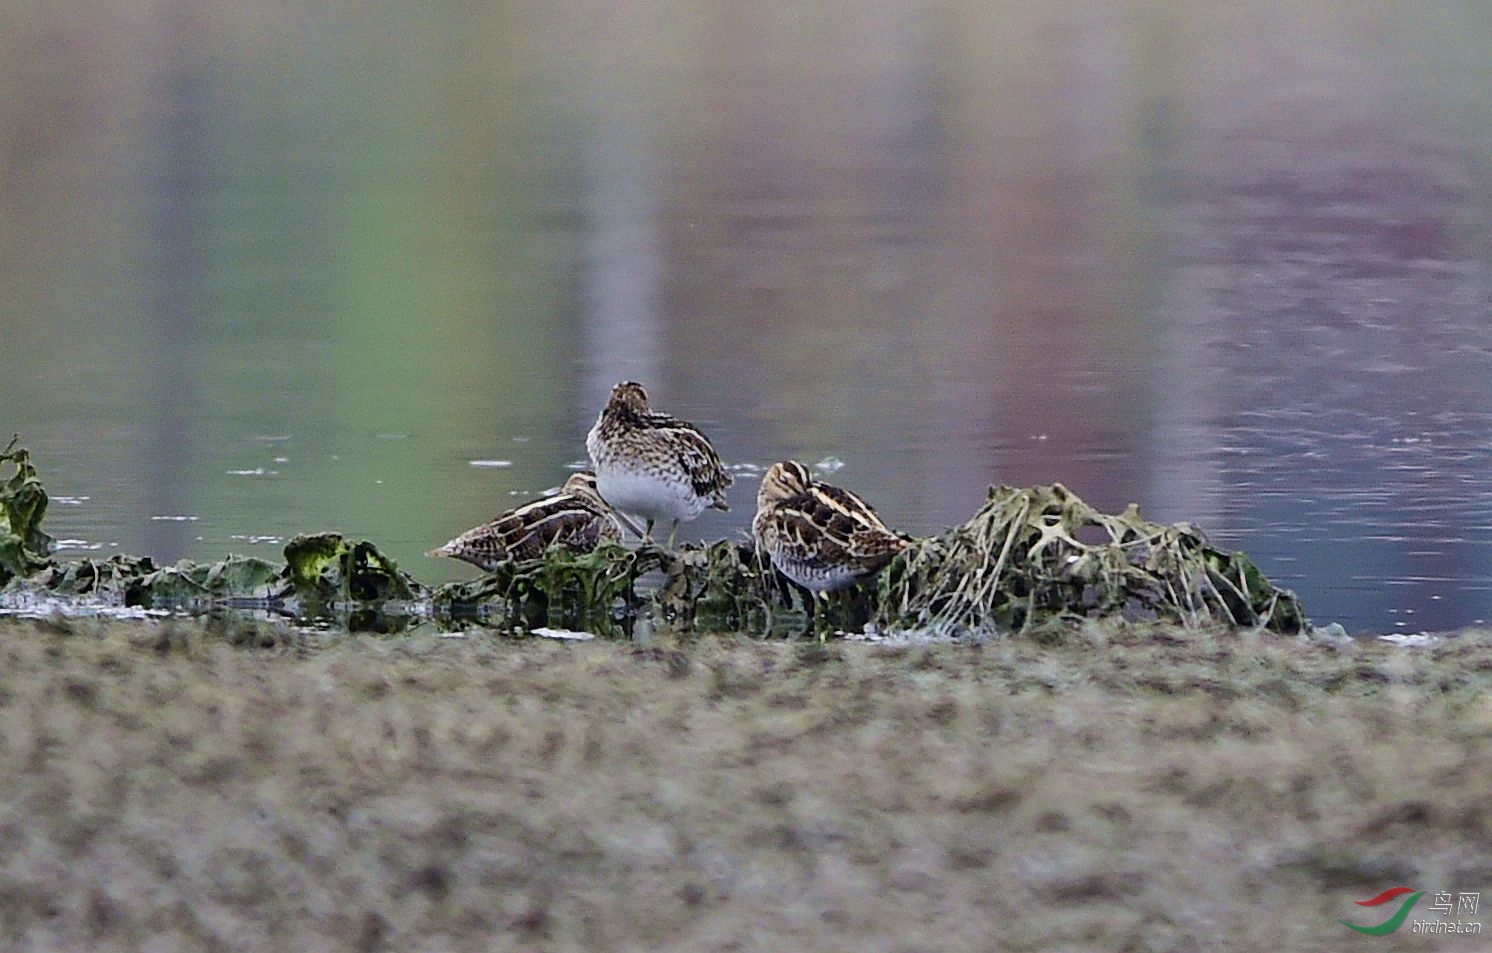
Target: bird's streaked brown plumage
821, 536
576, 516
651, 464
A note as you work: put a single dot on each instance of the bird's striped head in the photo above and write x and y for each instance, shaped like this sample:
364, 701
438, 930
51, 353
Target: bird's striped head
582, 485
783, 481
628, 395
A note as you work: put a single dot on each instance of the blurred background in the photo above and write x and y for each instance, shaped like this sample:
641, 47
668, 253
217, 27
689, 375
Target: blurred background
270, 267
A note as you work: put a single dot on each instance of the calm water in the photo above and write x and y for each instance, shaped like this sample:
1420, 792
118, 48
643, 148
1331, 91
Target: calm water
267, 268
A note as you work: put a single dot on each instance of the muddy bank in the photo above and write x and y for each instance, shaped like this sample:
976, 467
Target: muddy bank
178, 787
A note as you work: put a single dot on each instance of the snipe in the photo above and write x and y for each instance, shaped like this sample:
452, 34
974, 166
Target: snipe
576, 516
653, 465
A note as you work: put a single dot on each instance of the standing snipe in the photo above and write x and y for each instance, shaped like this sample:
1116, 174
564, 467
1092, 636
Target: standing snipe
653, 465
575, 516
820, 536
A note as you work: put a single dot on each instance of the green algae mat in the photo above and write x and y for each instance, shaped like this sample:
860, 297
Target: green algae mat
1029, 559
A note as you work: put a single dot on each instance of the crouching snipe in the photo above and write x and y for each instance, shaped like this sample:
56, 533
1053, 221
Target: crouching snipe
820, 536
576, 516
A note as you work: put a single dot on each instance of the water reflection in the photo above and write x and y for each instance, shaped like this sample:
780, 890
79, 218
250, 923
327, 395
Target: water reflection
176, 222
292, 268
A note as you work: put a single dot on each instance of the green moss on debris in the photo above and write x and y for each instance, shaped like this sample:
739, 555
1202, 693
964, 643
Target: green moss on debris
98, 578
188, 583
561, 589
24, 548
716, 587
328, 572
325, 567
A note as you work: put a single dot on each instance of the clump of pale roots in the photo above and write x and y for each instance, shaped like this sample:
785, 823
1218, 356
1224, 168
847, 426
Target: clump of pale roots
1040, 554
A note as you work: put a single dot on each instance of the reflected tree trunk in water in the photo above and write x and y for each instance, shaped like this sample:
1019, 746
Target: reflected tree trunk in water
175, 220
1185, 479
622, 263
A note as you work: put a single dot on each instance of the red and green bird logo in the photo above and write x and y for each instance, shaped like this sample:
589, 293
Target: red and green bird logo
1392, 923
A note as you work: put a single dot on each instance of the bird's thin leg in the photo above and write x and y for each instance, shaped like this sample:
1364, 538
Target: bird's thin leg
626, 523
847, 608
672, 532
823, 633
810, 605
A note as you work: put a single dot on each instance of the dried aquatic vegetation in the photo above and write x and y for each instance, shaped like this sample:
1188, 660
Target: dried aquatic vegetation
1020, 562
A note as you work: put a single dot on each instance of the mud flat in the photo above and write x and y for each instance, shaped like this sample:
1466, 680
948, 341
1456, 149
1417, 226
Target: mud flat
192, 786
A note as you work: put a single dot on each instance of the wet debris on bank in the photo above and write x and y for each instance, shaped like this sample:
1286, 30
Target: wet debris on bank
1030, 558
1023, 561
24, 548
714, 587
320, 571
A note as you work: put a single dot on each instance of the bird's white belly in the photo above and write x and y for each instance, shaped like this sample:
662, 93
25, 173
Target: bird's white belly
817, 578
648, 496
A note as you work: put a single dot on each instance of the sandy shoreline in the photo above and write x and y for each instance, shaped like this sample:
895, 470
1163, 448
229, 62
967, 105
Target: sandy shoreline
1112, 789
